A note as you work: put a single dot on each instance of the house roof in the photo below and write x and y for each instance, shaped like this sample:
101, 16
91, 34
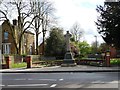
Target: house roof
7, 21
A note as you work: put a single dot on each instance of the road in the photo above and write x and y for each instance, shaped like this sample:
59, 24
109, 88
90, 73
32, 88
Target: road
60, 80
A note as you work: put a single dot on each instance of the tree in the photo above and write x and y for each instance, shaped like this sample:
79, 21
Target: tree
0, 1
94, 47
76, 32
23, 10
42, 9
108, 23
74, 48
84, 48
55, 44
103, 47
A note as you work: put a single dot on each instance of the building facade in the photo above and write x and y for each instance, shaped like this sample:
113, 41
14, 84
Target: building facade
29, 46
40, 50
8, 40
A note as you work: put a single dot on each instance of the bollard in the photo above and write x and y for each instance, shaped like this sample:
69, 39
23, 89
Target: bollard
29, 62
107, 58
8, 62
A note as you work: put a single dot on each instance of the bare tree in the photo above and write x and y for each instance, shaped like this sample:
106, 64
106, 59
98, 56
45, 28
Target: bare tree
42, 9
24, 20
76, 31
0, 1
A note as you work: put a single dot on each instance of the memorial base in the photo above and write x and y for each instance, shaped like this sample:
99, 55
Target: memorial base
68, 60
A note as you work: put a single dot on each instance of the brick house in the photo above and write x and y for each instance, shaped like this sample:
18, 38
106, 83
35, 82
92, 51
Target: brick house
8, 46
40, 49
29, 43
7, 42
114, 53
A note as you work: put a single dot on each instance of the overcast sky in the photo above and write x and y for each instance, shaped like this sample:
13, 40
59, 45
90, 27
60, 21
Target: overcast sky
81, 11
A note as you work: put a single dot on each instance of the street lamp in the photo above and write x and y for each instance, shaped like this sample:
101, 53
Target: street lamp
96, 43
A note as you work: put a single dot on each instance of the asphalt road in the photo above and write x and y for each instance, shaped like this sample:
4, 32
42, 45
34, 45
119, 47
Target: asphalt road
60, 80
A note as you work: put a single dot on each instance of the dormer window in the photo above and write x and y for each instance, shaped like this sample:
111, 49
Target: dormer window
6, 35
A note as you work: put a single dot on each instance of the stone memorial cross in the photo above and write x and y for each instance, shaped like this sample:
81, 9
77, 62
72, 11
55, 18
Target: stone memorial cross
67, 37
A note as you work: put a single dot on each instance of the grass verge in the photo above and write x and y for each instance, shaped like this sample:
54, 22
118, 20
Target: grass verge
19, 65
115, 61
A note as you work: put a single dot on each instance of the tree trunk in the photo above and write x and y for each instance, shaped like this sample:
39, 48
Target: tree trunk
36, 43
43, 36
19, 52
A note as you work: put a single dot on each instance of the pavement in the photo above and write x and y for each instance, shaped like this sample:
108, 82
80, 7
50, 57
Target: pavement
59, 69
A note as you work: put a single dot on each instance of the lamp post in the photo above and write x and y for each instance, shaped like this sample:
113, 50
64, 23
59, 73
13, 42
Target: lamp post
95, 44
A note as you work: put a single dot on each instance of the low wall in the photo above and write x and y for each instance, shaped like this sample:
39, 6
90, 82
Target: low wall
95, 56
35, 57
47, 58
13, 58
17, 58
20, 58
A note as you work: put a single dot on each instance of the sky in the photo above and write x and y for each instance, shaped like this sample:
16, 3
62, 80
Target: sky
82, 11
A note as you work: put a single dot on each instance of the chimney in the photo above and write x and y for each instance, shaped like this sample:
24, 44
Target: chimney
14, 22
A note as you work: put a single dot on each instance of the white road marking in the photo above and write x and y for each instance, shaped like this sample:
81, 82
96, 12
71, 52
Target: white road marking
19, 79
28, 85
61, 79
53, 85
98, 82
12, 73
15, 79
43, 79
2, 85
30, 79
114, 82
101, 82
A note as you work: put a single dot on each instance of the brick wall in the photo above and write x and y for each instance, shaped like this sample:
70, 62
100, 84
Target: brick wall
113, 52
41, 49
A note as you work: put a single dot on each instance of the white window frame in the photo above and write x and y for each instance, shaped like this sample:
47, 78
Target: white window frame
6, 48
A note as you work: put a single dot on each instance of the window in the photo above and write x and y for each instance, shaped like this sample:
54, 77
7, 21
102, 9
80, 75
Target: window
6, 35
6, 48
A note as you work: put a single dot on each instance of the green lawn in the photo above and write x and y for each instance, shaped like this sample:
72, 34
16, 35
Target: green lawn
19, 65
115, 61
